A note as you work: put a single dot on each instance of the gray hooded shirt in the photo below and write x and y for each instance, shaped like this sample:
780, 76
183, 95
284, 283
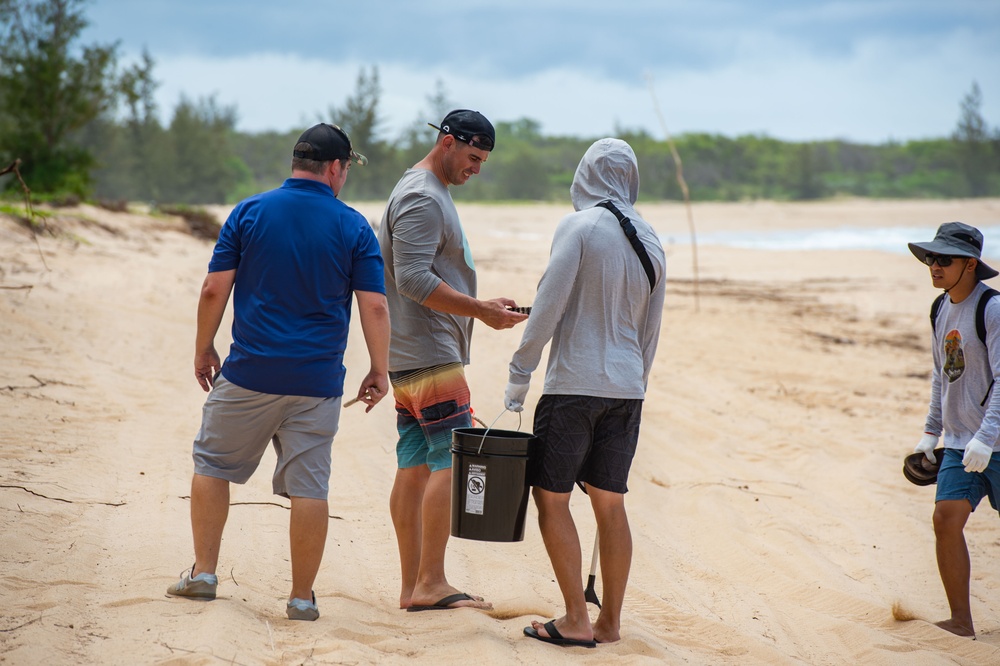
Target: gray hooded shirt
594, 301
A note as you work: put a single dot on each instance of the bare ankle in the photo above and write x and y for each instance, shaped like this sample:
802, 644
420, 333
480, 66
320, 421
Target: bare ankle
605, 633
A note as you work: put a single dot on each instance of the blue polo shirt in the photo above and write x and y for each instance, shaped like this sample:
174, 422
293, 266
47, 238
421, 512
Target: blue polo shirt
299, 254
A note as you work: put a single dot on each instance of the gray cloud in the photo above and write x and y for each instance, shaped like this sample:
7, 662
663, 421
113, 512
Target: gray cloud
517, 37
730, 66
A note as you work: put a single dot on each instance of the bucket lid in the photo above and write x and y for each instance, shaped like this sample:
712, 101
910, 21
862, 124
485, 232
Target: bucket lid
491, 441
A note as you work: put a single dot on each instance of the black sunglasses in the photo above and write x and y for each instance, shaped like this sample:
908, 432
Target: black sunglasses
943, 260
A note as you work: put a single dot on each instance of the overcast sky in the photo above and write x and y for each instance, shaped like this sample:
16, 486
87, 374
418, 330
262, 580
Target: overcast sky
862, 70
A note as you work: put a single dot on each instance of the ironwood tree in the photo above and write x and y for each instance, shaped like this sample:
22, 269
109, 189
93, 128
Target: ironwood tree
976, 156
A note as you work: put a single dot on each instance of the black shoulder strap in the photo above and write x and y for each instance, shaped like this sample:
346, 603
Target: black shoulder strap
981, 313
935, 306
981, 331
633, 239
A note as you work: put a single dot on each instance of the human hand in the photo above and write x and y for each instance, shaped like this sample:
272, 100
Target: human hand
497, 315
927, 445
513, 397
206, 364
977, 455
374, 387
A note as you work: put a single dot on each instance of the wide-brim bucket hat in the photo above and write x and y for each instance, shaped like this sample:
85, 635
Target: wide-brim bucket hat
919, 470
956, 239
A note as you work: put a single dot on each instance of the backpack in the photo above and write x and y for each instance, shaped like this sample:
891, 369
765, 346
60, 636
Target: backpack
980, 323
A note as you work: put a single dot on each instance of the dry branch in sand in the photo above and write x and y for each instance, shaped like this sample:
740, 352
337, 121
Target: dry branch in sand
59, 499
13, 168
684, 189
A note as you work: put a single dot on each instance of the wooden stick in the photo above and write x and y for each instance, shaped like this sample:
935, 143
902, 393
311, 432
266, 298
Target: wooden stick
13, 166
684, 190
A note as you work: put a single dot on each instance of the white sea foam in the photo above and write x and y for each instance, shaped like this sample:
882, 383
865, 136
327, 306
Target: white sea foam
882, 239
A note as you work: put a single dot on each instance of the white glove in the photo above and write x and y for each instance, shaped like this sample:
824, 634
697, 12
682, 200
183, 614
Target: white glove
927, 445
513, 397
977, 456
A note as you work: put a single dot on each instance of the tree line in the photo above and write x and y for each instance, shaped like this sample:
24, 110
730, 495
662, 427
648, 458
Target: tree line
84, 127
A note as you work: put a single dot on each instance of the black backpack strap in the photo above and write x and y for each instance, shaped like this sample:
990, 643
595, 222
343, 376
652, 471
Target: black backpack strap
981, 313
981, 330
633, 239
935, 306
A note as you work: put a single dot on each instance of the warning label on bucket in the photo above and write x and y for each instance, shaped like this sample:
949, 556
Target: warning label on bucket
476, 485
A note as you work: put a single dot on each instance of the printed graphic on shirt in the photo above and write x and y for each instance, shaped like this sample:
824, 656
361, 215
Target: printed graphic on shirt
954, 357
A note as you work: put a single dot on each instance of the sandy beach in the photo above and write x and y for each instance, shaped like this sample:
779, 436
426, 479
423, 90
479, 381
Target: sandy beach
770, 518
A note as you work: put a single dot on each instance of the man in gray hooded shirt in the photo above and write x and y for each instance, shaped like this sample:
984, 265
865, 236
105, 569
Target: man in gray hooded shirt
602, 314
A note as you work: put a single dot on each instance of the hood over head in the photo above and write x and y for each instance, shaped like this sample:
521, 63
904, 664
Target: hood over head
608, 170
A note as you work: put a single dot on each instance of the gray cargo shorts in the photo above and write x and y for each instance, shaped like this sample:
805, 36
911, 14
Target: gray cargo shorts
237, 425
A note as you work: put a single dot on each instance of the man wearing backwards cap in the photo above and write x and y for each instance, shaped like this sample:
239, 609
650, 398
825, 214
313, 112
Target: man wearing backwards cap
964, 408
293, 258
431, 288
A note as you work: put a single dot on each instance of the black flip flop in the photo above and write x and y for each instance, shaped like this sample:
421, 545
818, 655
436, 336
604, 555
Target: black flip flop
444, 604
919, 470
556, 638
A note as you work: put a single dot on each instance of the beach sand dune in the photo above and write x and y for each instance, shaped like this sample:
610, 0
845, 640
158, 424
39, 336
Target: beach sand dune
770, 517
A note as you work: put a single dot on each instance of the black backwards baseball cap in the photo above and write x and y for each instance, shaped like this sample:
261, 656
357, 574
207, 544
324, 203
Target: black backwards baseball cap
956, 239
469, 127
327, 143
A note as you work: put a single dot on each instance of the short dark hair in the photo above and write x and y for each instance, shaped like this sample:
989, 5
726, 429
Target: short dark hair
312, 166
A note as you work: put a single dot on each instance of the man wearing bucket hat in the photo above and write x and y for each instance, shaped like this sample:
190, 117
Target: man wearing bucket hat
293, 258
431, 288
600, 303
964, 409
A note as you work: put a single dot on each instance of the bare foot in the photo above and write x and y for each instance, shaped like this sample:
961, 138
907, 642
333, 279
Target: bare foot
957, 627
405, 597
606, 638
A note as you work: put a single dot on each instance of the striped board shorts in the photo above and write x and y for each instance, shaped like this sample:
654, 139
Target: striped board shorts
430, 403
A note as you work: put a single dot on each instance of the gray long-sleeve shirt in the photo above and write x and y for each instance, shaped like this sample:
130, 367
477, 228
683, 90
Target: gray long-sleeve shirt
963, 372
423, 245
593, 301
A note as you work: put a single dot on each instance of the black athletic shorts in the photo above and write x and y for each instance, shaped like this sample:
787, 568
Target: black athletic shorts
583, 438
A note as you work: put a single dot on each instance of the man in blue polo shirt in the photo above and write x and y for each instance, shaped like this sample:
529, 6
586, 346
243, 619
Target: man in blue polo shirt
292, 258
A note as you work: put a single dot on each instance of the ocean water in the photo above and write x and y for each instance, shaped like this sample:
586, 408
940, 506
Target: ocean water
882, 239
